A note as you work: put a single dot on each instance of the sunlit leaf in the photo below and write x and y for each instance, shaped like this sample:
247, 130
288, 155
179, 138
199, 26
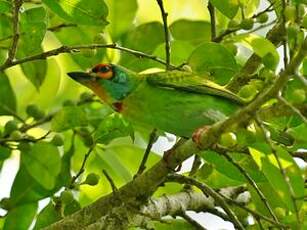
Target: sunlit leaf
228, 8
192, 31
33, 28
258, 44
121, 16
83, 12
215, 59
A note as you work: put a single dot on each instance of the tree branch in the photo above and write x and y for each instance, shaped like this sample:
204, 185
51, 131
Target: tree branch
212, 20
77, 48
166, 34
210, 192
13, 48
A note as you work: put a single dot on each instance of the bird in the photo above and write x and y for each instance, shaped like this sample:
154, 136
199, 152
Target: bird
176, 101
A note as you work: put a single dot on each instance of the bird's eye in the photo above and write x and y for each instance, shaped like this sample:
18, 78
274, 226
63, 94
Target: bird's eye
103, 70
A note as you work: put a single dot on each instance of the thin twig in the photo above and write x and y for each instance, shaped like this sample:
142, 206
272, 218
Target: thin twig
193, 222
252, 183
212, 20
13, 48
82, 168
268, 9
151, 141
282, 170
208, 191
77, 48
220, 37
294, 109
113, 186
166, 34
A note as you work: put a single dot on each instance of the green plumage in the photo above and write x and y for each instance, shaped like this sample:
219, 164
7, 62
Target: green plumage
176, 102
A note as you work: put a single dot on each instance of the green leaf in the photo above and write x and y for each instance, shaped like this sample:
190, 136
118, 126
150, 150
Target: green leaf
35, 71
299, 133
25, 189
43, 163
121, 16
68, 118
215, 59
258, 44
21, 217
72, 207
64, 178
4, 153
112, 127
222, 165
5, 6
33, 26
304, 67
181, 50
226, 7
82, 35
135, 38
82, 12
193, 31
268, 164
7, 96
50, 214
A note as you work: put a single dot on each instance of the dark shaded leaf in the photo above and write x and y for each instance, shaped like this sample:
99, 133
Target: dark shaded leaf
50, 214
112, 127
43, 163
68, 118
24, 214
135, 38
7, 96
5, 6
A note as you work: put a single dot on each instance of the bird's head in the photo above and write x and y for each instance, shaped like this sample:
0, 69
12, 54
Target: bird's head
112, 83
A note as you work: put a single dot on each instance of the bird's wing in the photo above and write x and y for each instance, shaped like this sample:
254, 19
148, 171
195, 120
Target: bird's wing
191, 83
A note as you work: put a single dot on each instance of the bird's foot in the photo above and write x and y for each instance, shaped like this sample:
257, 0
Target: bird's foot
196, 136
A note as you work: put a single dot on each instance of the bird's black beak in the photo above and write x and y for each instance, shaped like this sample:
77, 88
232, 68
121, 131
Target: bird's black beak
80, 76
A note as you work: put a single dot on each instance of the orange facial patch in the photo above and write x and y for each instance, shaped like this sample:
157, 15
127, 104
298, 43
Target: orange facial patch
104, 71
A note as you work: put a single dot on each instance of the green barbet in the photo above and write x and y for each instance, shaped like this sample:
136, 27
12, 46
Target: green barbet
177, 102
